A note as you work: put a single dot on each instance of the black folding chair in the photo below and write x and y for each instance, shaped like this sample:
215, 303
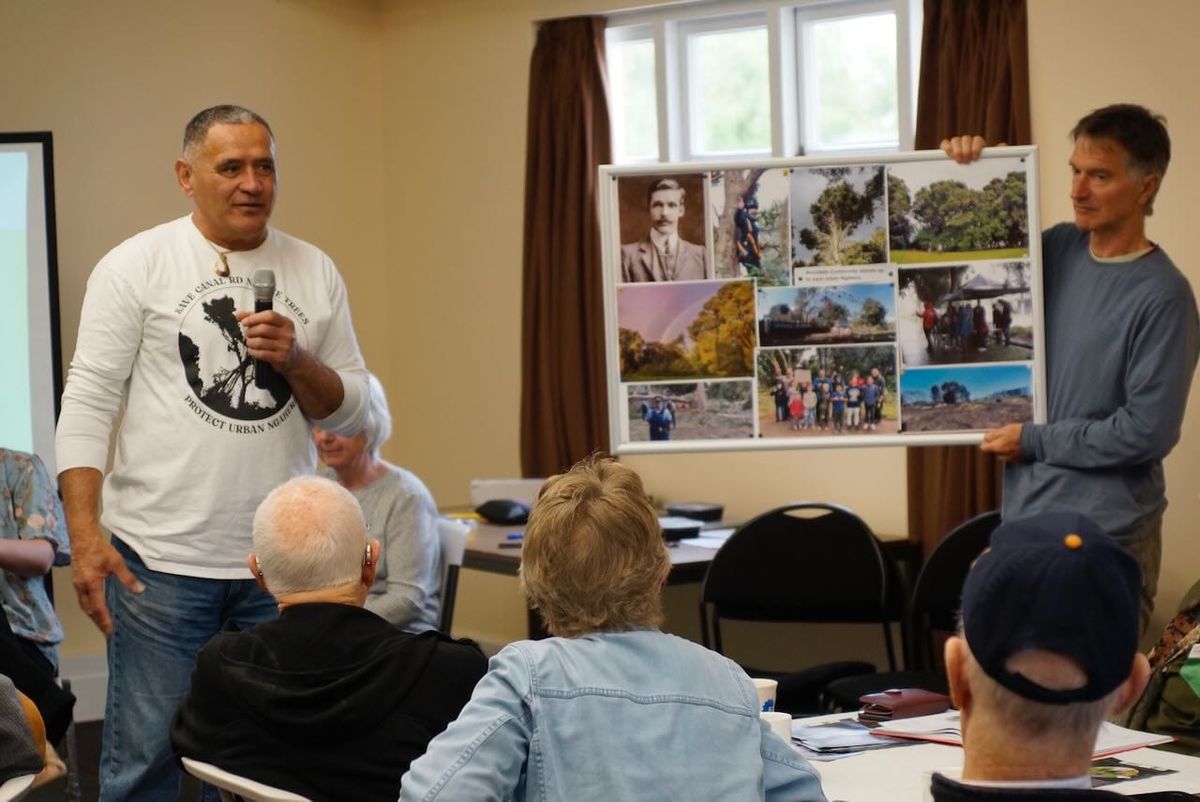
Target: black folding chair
936, 598
802, 563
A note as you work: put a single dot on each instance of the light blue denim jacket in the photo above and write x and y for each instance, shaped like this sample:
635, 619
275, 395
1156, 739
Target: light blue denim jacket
621, 715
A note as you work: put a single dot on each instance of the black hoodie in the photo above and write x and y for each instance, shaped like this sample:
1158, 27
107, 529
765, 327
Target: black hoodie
329, 701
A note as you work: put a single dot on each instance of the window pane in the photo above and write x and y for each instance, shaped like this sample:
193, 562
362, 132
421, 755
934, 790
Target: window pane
730, 95
633, 104
852, 88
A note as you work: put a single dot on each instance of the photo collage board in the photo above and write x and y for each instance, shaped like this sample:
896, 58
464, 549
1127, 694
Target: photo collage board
821, 302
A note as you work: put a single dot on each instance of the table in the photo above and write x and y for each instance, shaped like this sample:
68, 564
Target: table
487, 551
490, 549
903, 774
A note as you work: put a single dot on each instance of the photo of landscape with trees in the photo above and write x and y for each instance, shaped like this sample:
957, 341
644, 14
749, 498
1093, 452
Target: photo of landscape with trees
849, 313
966, 398
942, 211
700, 410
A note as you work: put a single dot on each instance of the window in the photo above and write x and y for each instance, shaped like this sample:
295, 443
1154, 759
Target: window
632, 95
715, 81
727, 79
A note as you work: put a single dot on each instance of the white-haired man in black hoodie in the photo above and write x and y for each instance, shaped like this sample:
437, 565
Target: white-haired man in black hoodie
329, 700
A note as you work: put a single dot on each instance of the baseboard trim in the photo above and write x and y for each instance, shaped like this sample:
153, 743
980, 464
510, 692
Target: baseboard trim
89, 682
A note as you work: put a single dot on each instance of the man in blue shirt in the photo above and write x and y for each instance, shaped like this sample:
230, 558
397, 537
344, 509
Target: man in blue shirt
1120, 346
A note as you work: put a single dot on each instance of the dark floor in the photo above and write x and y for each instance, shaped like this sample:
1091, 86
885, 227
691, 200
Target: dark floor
87, 744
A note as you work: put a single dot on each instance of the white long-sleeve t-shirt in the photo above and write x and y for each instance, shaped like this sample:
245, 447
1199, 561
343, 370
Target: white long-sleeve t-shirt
199, 446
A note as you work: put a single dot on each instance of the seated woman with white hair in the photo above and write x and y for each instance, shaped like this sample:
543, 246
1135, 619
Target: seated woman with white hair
399, 510
611, 707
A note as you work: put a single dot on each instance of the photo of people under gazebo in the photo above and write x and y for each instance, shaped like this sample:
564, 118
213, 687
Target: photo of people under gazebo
966, 313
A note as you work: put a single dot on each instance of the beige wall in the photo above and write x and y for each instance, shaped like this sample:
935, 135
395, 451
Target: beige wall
116, 81
401, 129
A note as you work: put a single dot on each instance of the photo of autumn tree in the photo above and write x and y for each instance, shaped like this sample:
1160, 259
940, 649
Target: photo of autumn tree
812, 315
838, 216
696, 411
749, 214
691, 330
940, 211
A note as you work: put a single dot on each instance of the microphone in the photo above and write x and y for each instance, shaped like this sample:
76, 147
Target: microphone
263, 283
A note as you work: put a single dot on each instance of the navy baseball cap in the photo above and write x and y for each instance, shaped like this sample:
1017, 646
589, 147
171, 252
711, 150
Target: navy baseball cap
1054, 582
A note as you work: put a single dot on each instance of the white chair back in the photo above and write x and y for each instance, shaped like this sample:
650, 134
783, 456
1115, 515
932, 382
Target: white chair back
453, 536
234, 787
16, 787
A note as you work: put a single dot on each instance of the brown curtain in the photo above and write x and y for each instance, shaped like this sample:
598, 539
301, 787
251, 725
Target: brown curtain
564, 406
974, 80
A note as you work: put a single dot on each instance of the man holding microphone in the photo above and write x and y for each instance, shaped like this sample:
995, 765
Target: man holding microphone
166, 330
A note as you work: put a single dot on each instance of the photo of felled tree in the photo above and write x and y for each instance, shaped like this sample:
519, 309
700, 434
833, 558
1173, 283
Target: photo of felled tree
940, 211
749, 214
965, 398
717, 410
838, 216
811, 315
692, 330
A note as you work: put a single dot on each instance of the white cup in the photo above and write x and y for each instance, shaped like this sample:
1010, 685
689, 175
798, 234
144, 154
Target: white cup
781, 724
765, 688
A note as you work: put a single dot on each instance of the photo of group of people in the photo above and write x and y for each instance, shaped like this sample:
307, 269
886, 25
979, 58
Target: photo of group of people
826, 391
814, 300
981, 312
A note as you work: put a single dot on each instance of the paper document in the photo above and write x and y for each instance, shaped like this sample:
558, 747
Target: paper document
710, 538
837, 738
946, 728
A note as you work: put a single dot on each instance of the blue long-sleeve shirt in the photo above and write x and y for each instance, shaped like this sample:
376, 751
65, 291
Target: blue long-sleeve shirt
1121, 346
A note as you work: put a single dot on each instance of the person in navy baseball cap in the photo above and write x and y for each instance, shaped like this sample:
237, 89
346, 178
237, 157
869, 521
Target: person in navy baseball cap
1047, 649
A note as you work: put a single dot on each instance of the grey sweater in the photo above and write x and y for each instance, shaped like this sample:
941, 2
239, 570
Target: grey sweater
1120, 348
400, 512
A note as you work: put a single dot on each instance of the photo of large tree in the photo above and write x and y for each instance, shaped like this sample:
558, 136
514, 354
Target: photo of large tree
838, 216
941, 211
749, 213
697, 330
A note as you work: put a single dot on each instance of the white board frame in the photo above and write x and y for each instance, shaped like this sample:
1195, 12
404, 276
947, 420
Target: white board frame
611, 259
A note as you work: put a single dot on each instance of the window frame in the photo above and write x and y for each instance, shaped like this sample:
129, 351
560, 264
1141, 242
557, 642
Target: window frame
688, 87
670, 25
643, 32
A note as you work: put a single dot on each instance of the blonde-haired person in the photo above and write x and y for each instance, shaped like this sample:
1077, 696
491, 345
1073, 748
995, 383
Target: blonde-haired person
399, 510
610, 707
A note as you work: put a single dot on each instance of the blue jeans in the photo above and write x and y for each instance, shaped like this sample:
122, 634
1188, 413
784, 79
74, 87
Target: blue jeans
151, 654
